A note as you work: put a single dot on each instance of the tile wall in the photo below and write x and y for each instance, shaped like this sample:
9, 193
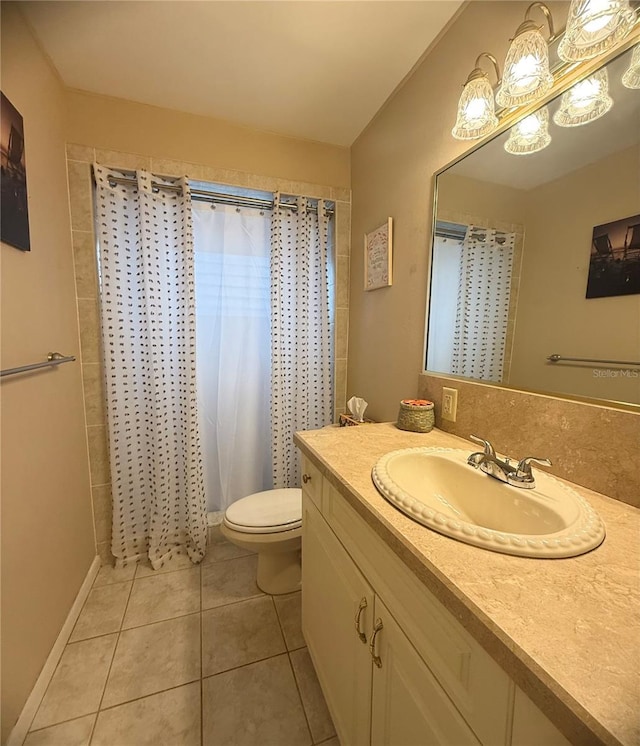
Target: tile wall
590, 444
79, 160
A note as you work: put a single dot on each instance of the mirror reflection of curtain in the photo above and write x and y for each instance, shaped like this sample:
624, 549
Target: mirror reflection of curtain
233, 310
482, 312
445, 273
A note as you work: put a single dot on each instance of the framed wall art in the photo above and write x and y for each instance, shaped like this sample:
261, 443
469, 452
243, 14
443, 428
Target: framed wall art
378, 255
14, 212
614, 266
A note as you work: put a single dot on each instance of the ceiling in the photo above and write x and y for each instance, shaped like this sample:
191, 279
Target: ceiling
318, 70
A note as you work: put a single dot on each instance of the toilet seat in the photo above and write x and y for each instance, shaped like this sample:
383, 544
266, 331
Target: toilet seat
268, 512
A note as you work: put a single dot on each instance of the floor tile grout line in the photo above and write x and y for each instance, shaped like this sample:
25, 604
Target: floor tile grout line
245, 665
146, 696
304, 709
201, 662
55, 670
238, 601
282, 634
160, 574
201, 677
286, 642
113, 655
99, 634
148, 624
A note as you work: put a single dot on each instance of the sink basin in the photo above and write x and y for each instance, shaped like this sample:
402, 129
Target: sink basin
436, 487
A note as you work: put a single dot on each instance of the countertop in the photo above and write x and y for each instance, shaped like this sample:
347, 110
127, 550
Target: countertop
566, 630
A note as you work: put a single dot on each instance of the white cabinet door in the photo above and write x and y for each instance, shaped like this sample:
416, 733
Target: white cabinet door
332, 591
531, 727
409, 707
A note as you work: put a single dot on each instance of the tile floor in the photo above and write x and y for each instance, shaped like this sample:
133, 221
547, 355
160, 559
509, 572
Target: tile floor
185, 656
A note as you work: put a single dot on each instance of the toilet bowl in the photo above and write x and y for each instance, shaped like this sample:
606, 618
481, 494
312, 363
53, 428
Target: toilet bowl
269, 523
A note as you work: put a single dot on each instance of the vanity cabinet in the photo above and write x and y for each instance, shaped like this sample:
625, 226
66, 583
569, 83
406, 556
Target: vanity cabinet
396, 668
378, 690
334, 593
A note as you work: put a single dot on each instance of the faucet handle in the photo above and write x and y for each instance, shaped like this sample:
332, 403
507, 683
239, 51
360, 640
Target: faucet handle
524, 465
488, 448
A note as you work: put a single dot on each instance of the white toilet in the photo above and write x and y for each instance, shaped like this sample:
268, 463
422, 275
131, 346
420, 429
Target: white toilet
269, 523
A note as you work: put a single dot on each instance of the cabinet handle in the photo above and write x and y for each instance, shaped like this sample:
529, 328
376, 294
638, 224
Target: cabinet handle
372, 645
306, 478
361, 608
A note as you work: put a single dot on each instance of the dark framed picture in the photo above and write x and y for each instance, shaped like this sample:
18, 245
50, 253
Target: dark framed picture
614, 266
14, 210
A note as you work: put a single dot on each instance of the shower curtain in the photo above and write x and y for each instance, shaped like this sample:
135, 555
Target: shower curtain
233, 353
302, 302
148, 337
482, 311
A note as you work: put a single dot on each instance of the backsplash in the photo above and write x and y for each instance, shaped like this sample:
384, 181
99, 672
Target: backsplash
592, 445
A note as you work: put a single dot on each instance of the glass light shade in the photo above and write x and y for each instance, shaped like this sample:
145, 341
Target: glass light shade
593, 27
631, 77
585, 101
476, 109
529, 135
526, 74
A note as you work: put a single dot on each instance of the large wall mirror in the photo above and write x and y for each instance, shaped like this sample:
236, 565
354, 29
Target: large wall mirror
538, 254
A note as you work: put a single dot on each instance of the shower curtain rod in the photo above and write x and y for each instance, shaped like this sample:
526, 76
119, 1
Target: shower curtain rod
201, 195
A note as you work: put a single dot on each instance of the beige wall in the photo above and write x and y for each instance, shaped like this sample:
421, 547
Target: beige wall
114, 124
460, 197
553, 314
392, 165
47, 534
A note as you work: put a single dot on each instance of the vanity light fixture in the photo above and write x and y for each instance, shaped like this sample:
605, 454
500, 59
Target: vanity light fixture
476, 108
530, 134
593, 27
631, 77
526, 70
585, 101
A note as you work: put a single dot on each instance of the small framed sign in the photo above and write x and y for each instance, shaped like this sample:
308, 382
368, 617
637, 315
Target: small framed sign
378, 250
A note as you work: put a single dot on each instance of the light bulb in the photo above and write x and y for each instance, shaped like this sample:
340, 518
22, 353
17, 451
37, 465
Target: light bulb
597, 12
530, 125
631, 77
529, 135
593, 27
476, 109
526, 73
585, 101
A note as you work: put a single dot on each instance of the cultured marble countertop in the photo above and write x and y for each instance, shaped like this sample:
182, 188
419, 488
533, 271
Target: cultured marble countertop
566, 630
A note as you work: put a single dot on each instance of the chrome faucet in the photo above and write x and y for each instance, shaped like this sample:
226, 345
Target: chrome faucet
505, 471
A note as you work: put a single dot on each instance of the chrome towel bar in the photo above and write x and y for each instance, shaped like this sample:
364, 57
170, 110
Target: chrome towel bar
557, 358
53, 358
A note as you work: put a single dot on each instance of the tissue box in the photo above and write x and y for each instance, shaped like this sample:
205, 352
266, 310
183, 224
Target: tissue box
346, 420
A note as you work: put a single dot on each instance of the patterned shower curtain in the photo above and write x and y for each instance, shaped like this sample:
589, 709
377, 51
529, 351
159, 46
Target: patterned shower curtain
482, 310
302, 292
148, 336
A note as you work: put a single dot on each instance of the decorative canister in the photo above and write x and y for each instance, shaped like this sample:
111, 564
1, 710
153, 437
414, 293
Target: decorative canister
416, 415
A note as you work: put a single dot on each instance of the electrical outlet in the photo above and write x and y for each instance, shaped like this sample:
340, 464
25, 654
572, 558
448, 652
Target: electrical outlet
449, 404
